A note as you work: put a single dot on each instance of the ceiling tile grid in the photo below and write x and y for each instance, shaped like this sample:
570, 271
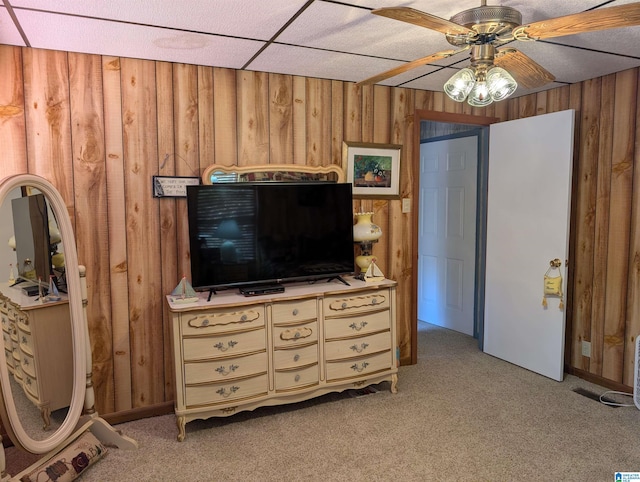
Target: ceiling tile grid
328, 39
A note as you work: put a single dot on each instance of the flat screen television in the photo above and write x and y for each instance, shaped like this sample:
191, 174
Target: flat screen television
257, 234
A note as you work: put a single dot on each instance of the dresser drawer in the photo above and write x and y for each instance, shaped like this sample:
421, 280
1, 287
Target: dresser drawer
26, 342
30, 385
342, 305
218, 393
358, 325
295, 357
224, 369
299, 377
359, 367
228, 345
292, 311
8, 356
28, 365
354, 347
220, 321
292, 335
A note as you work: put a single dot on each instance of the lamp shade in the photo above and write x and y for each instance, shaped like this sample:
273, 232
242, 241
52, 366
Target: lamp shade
480, 96
364, 229
500, 83
460, 84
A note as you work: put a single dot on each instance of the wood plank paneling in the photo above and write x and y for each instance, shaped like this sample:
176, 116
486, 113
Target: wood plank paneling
143, 231
585, 212
166, 165
117, 244
601, 228
92, 222
618, 242
48, 126
12, 122
253, 115
281, 118
174, 119
318, 112
225, 116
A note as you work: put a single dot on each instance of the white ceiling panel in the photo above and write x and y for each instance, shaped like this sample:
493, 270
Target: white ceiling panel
9, 34
319, 63
253, 19
316, 38
61, 32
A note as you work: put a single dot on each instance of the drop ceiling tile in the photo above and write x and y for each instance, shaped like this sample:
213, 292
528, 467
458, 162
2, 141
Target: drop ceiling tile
356, 30
571, 65
9, 34
61, 32
319, 63
254, 19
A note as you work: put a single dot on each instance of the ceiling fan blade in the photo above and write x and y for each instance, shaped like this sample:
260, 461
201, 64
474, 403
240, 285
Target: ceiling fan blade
421, 19
410, 65
591, 21
525, 70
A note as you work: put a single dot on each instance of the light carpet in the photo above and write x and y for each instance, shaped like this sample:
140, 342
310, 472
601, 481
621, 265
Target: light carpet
459, 415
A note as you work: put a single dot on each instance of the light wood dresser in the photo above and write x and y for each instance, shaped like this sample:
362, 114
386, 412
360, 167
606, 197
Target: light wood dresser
38, 348
236, 353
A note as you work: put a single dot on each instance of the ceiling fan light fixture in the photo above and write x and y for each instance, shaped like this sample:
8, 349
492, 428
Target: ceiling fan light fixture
480, 96
460, 84
500, 83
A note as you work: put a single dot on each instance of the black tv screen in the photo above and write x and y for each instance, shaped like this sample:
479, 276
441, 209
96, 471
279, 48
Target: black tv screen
261, 233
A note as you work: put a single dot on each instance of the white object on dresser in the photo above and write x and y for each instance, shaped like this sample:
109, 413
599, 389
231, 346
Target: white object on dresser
38, 350
237, 353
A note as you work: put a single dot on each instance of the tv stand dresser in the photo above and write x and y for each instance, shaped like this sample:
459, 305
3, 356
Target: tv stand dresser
236, 353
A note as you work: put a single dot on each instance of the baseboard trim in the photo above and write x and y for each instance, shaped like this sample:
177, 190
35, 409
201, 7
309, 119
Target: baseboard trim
598, 380
123, 416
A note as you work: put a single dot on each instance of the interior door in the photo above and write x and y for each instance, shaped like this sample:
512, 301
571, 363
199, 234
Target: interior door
447, 232
529, 194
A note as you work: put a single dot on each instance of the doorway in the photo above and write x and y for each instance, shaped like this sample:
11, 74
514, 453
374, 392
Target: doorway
448, 214
441, 126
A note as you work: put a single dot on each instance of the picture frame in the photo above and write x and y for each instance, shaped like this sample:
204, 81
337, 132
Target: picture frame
372, 169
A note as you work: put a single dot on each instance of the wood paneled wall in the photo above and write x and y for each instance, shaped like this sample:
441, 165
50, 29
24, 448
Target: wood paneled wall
100, 127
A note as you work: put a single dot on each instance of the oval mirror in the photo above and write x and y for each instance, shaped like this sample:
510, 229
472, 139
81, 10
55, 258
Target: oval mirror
38, 318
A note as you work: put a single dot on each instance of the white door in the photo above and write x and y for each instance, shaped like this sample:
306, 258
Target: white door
529, 194
447, 233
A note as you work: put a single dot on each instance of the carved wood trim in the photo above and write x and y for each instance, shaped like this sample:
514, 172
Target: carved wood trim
274, 168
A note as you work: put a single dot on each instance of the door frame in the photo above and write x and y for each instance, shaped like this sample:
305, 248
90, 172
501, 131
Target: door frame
444, 117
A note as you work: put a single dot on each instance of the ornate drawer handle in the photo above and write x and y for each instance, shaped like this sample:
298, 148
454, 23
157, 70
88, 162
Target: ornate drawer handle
296, 334
224, 372
359, 368
220, 346
344, 305
224, 394
199, 322
296, 357
295, 312
359, 349
374, 301
353, 326
296, 378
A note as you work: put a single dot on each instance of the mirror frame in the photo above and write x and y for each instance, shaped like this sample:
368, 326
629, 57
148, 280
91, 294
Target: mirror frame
8, 412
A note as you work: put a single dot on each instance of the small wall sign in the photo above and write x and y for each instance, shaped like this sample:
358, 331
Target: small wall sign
173, 186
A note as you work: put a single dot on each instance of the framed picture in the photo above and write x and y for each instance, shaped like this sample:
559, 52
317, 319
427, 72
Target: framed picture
373, 169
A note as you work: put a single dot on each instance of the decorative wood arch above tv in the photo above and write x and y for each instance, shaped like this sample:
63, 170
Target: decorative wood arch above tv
273, 172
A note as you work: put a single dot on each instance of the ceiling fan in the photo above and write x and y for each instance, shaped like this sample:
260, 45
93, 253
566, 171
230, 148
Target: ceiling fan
483, 30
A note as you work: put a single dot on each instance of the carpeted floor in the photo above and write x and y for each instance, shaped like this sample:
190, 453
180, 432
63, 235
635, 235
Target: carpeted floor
459, 415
